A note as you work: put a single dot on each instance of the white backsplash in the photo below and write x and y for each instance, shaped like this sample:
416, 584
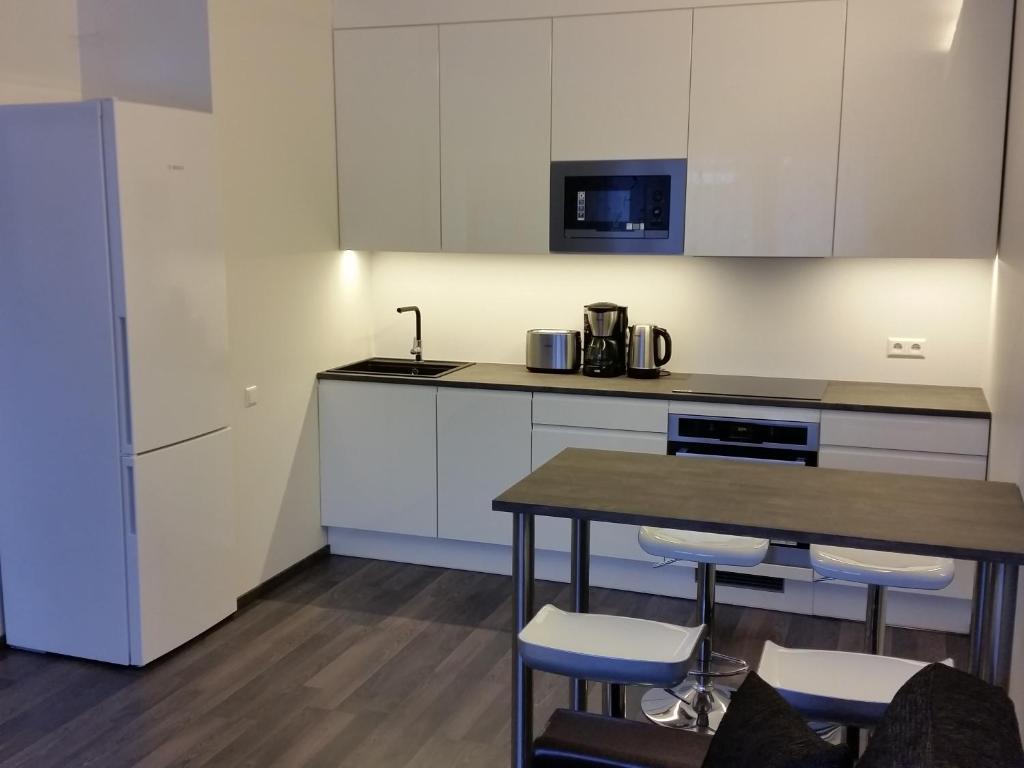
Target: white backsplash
817, 318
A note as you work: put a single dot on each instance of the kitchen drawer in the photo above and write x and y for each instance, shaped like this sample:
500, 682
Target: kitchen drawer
630, 414
929, 434
904, 462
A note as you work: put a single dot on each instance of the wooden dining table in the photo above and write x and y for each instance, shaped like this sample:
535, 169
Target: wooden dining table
964, 519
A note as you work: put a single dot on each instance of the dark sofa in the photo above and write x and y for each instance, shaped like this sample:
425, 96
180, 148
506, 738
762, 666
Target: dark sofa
941, 718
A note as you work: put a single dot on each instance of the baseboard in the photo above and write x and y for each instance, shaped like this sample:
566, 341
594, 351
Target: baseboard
266, 586
610, 572
906, 609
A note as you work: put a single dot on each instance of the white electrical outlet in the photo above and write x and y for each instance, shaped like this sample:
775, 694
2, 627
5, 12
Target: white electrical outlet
899, 346
252, 396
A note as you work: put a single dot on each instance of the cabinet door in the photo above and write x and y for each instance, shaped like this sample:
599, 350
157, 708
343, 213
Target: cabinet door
608, 539
924, 109
648, 71
172, 261
495, 136
764, 129
904, 462
483, 447
181, 539
389, 165
378, 457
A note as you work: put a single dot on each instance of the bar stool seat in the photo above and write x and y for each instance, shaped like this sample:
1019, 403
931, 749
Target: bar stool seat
852, 689
608, 649
884, 569
717, 548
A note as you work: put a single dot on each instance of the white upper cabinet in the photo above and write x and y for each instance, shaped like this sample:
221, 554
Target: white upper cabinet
619, 86
765, 101
386, 83
495, 136
924, 109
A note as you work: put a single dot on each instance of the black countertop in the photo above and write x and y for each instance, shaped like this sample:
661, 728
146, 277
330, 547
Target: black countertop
967, 402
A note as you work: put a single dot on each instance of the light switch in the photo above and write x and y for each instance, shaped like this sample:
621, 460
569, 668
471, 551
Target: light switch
252, 396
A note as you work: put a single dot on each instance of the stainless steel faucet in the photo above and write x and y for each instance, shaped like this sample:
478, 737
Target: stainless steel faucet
417, 343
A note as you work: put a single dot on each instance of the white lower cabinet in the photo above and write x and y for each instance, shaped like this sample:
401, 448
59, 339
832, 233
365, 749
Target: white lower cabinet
378, 457
914, 463
607, 539
939, 447
483, 447
424, 461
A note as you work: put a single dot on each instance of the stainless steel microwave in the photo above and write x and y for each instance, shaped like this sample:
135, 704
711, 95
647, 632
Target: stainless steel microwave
618, 206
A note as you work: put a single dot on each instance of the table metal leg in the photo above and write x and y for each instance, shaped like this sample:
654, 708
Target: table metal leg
522, 612
980, 620
580, 598
615, 700
874, 620
1004, 609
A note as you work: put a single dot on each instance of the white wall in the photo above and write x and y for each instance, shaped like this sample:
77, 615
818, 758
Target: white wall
38, 51
295, 304
150, 51
824, 318
1006, 390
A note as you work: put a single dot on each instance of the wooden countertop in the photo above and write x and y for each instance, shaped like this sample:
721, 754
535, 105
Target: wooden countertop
966, 402
966, 519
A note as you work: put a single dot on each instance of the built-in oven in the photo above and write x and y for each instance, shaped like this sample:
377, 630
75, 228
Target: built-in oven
618, 206
765, 441
753, 440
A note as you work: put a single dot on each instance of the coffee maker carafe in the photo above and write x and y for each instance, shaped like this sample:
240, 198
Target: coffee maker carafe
604, 339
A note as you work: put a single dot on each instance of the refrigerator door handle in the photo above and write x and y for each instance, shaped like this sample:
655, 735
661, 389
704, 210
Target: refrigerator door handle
128, 495
124, 383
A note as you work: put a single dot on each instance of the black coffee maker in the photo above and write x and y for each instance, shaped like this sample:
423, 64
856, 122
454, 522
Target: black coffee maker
604, 339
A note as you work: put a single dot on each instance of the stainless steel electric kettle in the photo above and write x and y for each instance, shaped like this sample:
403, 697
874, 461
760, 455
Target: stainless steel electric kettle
645, 360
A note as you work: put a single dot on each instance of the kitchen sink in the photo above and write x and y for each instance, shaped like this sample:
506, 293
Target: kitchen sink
391, 366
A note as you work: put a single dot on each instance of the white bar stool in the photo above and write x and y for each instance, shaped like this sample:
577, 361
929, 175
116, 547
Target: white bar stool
880, 570
615, 650
698, 705
851, 689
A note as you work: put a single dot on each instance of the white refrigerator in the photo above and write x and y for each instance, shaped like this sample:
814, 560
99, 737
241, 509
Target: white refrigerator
117, 519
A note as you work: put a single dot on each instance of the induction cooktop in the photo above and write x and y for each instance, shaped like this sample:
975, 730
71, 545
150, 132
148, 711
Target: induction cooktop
753, 386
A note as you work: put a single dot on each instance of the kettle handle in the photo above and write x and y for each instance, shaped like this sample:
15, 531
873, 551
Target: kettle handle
663, 334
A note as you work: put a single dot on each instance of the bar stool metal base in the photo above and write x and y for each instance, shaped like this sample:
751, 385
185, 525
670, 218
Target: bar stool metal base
699, 702
691, 708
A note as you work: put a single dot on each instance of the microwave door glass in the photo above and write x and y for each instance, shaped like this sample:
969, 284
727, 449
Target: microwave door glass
616, 206
609, 208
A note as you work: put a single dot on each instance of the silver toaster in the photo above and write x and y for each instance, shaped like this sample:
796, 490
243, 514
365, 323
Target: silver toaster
553, 351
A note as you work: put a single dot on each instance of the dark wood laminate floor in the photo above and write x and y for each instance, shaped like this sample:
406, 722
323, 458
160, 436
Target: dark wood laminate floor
351, 663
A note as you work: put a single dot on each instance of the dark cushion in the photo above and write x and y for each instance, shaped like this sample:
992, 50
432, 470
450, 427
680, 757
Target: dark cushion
945, 718
761, 730
582, 740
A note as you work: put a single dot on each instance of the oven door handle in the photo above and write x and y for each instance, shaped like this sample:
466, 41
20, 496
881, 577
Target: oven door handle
747, 459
